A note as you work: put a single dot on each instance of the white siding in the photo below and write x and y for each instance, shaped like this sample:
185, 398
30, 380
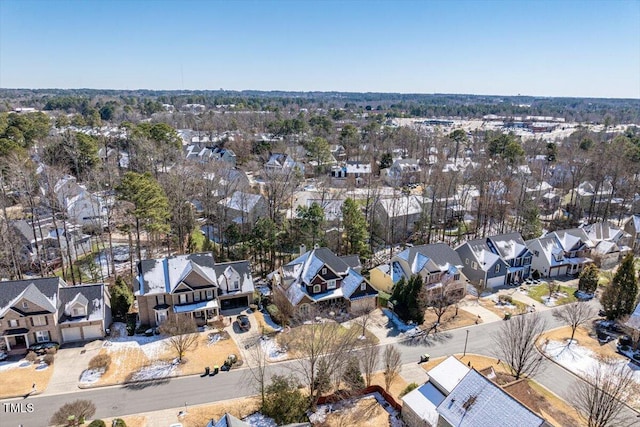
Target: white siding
71, 334
91, 332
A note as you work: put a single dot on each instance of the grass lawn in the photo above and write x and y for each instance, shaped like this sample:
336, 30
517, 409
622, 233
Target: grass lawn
584, 338
18, 381
501, 310
540, 291
328, 331
528, 392
130, 359
449, 319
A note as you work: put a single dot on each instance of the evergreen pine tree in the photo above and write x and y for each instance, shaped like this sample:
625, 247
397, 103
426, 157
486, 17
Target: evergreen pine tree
619, 299
588, 279
352, 376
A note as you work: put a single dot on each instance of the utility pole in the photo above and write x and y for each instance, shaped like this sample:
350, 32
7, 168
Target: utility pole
465, 344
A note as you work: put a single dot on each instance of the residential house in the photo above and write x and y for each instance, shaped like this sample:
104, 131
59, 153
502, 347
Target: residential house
575, 247
632, 227
283, 163
42, 243
47, 309
610, 243
437, 264
320, 277
403, 172
496, 261
397, 217
193, 285
81, 206
588, 194
353, 172
244, 208
338, 152
457, 395
225, 155
228, 420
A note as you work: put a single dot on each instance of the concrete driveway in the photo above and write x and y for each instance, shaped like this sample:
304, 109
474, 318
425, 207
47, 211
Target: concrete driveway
69, 364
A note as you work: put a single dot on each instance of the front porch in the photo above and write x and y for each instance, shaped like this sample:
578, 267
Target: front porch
16, 340
202, 312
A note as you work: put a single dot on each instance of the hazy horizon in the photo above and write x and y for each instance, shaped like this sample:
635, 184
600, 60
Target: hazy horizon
569, 49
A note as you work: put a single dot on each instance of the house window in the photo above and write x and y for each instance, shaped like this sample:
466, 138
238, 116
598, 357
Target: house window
209, 294
196, 296
78, 312
331, 284
497, 269
182, 298
527, 260
324, 271
236, 285
474, 265
198, 314
13, 323
39, 320
363, 286
42, 336
466, 261
25, 304
536, 253
316, 289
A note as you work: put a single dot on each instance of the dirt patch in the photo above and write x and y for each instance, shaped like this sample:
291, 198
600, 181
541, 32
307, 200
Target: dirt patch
19, 381
398, 385
515, 309
453, 318
554, 409
362, 413
585, 337
198, 416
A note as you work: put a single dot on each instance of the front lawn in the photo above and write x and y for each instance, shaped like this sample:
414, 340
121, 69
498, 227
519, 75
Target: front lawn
450, 319
17, 378
563, 295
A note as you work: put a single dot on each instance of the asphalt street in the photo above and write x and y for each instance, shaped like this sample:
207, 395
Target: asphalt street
125, 400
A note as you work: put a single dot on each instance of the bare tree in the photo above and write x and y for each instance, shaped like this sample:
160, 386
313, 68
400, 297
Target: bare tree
369, 360
257, 364
181, 330
439, 300
317, 341
73, 413
392, 365
515, 344
600, 398
363, 317
575, 314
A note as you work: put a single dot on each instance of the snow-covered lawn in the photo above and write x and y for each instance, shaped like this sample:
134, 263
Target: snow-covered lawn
90, 376
273, 351
155, 371
344, 407
12, 365
152, 346
581, 360
409, 330
270, 323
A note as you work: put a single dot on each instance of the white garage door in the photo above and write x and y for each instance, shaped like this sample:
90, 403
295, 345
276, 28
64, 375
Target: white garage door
91, 332
71, 334
496, 281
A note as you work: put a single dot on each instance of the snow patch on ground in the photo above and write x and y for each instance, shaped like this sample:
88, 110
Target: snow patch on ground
270, 323
320, 416
90, 376
152, 346
12, 365
272, 349
399, 324
580, 359
155, 371
258, 420
42, 366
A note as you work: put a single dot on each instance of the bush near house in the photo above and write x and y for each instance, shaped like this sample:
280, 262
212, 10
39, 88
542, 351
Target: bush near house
101, 361
97, 423
408, 389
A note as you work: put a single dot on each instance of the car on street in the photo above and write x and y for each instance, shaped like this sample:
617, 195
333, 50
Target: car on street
243, 322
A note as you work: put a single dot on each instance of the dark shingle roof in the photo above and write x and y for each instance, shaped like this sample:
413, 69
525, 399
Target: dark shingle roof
47, 287
93, 295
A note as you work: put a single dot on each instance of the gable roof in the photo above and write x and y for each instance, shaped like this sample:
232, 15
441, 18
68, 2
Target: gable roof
92, 296
312, 261
241, 201
42, 292
477, 402
573, 239
157, 276
485, 258
508, 246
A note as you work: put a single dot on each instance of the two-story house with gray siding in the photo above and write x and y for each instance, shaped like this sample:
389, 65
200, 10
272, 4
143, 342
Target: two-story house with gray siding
193, 285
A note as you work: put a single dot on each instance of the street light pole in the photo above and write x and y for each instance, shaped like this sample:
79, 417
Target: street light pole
465, 344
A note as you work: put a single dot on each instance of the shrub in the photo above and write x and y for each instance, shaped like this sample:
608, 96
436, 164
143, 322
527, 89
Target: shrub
52, 350
535, 275
76, 412
624, 348
31, 357
48, 359
253, 307
274, 312
636, 356
284, 401
101, 361
383, 299
409, 389
505, 299
118, 422
97, 423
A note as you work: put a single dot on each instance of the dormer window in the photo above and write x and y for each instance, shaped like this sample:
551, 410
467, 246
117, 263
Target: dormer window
363, 286
25, 304
497, 268
324, 271
78, 311
236, 285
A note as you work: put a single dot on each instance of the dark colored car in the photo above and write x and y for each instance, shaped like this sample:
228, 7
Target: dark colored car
42, 347
243, 322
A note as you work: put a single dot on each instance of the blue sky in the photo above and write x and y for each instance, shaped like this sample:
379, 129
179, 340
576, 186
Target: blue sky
544, 48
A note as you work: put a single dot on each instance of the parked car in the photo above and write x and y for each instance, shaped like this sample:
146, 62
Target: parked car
243, 322
584, 296
42, 347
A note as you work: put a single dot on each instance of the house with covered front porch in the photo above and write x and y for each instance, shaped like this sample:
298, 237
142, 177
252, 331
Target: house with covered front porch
192, 284
321, 278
